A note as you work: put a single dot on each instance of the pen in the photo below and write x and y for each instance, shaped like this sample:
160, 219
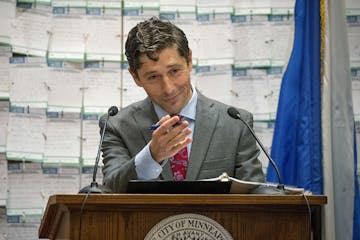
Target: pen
154, 127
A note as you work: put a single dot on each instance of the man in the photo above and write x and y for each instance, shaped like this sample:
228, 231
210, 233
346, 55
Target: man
194, 137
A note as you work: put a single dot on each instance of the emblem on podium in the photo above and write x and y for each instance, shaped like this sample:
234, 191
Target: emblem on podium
188, 226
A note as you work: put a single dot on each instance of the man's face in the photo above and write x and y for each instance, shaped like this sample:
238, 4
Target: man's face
166, 81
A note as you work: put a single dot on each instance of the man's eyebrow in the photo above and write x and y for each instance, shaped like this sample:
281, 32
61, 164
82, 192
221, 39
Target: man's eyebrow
174, 65
149, 73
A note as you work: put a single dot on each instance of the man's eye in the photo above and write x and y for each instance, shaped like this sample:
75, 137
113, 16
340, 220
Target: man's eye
152, 77
174, 71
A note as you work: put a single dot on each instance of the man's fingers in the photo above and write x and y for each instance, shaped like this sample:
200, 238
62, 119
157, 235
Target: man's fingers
166, 124
181, 144
169, 138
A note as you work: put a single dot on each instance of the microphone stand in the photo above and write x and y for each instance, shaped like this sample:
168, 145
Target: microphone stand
235, 114
94, 187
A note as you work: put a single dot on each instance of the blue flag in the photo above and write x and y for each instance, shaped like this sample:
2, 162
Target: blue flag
328, 168
296, 146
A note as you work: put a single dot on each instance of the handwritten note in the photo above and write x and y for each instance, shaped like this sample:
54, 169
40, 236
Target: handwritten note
25, 139
130, 91
253, 42
23, 199
249, 91
3, 179
90, 138
29, 83
67, 79
62, 141
103, 39
31, 32
4, 77
7, 15
215, 77
68, 37
101, 89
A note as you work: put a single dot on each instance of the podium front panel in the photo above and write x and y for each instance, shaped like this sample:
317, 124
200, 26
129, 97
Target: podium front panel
133, 216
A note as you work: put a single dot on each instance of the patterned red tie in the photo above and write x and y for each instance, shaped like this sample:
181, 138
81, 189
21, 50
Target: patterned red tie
179, 164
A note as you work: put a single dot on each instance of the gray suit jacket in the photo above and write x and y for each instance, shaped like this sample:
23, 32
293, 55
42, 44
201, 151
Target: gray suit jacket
220, 144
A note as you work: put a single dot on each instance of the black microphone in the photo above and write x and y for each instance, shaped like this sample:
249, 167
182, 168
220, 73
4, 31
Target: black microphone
94, 187
234, 113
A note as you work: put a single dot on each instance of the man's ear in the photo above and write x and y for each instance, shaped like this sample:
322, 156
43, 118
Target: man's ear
135, 77
190, 60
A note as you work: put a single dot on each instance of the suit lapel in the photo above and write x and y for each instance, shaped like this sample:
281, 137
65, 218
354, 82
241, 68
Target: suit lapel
206, 119
144, 116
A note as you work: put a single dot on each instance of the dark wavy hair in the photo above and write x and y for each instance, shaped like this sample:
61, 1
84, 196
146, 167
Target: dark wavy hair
152, 36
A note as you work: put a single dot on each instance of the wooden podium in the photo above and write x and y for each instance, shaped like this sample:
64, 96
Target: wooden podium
132, 216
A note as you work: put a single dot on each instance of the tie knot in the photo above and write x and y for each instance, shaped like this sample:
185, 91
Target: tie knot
180, 117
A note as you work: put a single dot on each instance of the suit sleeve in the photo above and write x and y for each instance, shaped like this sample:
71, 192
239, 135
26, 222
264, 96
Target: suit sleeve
248, 166
119, 166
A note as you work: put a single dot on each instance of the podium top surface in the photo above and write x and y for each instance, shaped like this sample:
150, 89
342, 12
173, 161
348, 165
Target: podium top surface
191, 199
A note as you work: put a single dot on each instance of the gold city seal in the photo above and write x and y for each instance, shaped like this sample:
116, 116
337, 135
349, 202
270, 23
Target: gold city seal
188, 226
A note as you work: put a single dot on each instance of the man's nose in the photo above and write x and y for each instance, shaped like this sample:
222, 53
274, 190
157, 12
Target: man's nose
167, 85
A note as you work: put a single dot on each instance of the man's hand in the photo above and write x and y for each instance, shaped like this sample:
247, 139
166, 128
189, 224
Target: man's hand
169, 138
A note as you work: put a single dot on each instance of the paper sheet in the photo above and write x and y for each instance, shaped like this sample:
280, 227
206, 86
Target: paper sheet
66, 79
3, 179
4, 77
23, 226
91, 139
354, 42
49, 182
214, 5
215, 77
281, 41
130, 91
68, 37
250, 91
29, 82
273, 92
25, 138
69, 180
62, 141
31, 32
24, 192
7, 15
103, 39
282, 4
4, 118
218, 25
176, 2
252, 43
252, 4
59, 180
101, 89
106, 6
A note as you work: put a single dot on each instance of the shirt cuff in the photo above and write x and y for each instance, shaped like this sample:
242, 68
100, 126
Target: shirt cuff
145, 166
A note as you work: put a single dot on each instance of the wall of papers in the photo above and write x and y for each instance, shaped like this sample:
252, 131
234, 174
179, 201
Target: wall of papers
62, 65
